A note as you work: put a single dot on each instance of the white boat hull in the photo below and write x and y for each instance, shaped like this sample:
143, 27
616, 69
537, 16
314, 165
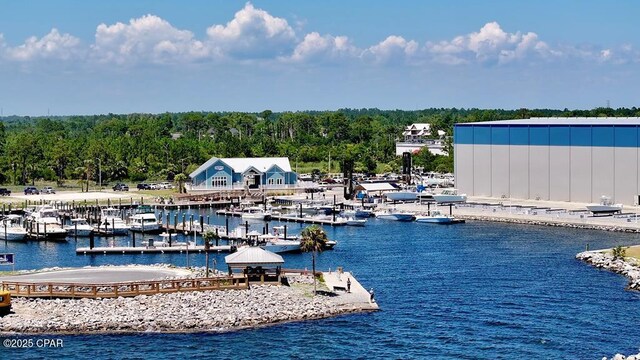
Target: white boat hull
281, 248
449, 198
597, 208
434, 219
83, 232
354, 222
12, 234
259, 217
396, 217
147, 228
401, 195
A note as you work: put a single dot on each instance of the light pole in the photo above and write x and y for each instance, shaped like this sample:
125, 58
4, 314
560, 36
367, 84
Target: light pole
99, 174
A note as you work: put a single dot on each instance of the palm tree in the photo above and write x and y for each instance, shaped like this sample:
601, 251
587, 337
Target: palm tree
209, 236
313, 239
180, 179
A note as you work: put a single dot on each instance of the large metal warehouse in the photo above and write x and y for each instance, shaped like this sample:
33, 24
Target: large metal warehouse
558, 159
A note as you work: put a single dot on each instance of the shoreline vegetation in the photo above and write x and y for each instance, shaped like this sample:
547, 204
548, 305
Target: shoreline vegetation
615, 260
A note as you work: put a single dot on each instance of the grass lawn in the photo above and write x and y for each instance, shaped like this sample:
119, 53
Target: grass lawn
633, 251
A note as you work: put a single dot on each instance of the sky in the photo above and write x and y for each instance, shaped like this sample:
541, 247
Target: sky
66, 57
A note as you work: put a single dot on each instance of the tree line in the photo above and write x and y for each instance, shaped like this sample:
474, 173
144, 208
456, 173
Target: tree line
138, 147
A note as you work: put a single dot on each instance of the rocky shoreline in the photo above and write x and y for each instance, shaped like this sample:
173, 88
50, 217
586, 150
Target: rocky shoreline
206, 311
622, 357
548, 223
603, 259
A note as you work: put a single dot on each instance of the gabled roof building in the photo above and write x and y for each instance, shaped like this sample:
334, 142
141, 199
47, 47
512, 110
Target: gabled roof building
247, 173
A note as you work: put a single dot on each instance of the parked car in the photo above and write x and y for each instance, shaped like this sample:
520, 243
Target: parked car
120, 187
48, 190
31, 190
166, 185
5, 192
143, 186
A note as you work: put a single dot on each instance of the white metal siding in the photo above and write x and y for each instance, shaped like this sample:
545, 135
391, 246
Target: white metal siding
580, 176
559, 173
482, 170
603, 173
519, 172
500, 170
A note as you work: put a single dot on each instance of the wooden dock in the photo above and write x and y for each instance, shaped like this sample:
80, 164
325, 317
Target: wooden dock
127, 250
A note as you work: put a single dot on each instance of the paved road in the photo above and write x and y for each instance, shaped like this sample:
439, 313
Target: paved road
99, 275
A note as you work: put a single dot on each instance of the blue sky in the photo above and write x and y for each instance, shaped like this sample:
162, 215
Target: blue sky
89, 57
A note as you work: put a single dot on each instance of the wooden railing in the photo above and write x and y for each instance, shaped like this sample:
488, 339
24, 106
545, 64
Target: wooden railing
125, 289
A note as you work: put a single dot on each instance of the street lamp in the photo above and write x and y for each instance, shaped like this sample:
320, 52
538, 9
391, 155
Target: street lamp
99, 173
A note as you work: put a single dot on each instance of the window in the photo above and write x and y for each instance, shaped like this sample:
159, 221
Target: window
219, 181
276, 181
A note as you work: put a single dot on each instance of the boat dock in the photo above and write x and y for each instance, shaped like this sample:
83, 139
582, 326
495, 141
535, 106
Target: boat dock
123, 250
308, 220
290, 218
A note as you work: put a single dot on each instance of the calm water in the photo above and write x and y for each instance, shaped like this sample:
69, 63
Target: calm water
475, 291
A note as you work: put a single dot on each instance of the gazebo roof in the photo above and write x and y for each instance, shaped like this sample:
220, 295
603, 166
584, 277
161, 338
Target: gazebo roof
253, 256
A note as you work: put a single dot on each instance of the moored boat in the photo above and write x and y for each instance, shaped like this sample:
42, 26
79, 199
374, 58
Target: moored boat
44, 223
112, 223
356, 222
435, 217
255, 213
144, 223
395, 215
79, 227
10, 228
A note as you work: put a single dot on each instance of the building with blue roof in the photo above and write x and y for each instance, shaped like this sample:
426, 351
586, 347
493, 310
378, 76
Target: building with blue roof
557, 159
243, 173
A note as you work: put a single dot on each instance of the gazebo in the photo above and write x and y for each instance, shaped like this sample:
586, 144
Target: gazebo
256, 263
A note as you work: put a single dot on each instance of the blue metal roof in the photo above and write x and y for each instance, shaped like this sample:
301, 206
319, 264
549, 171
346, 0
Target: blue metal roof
561, 121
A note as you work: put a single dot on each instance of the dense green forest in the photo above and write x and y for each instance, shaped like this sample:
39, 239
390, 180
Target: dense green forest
144, 146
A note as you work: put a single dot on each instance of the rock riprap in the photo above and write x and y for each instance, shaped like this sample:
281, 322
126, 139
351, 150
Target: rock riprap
176, 312
605, 260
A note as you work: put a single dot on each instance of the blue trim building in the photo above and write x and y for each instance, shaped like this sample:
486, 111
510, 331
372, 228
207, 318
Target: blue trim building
563, 159
243, 173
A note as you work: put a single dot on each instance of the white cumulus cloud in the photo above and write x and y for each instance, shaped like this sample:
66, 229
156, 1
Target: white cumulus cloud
393, 48
328, 48
148, 38
490, 44
54, 45
253, 33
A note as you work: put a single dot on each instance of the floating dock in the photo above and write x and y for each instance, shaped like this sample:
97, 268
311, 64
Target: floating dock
123, 250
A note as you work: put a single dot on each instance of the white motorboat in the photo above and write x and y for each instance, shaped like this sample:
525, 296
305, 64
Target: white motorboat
255, 213
112, 223
144, 222
10, 228
435, 217
357, 212
449, 196
403, 195
275, 244
606, 206
45, 223
79, 227
352, 221
395, 215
